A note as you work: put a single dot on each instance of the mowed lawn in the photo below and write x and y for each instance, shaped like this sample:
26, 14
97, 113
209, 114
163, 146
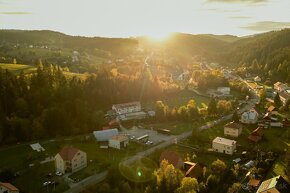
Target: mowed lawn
176, 127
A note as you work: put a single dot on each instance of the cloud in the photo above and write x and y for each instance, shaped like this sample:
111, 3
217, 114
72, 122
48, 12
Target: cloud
238, 1
240, 17
14, 13
267, 26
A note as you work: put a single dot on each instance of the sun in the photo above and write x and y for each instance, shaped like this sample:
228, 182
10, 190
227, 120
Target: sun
159, 35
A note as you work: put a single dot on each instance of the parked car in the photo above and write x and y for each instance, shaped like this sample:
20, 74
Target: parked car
58, 173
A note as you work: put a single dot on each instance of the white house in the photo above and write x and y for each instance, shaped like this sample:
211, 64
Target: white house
224, 145
257, 79
250, 117
70, 159
127, 107
8, 188
279, 86
284, 96
224, 90
119, 141
233, 129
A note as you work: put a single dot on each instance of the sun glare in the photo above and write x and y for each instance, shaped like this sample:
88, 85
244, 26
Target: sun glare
159, 36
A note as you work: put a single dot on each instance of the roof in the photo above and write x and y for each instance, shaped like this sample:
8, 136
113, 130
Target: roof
254, 182
120, 138
8, 186
195, 170
224, 141
126, 105
233, 125
172, 157
278, 183
258, 132
284, 95
271, 108
67, 153
254, 138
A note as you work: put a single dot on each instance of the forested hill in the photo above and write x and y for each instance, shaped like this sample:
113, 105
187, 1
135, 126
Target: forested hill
267, 55
117, 46
270, 48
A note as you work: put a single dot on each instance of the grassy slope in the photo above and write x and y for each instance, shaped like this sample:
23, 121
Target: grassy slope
27, 69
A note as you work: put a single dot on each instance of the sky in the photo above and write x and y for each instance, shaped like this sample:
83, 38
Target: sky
157, 18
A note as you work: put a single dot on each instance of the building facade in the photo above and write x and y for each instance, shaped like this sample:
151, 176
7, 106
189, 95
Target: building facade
70, 159
250, 117
233, 129
119, 142
224, 145
125, 108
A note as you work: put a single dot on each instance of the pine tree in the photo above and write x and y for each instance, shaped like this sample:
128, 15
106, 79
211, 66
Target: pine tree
277, 101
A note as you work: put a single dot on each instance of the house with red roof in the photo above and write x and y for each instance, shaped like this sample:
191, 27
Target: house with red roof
173, 158
256, 135
8, 188
193, 170
70, 159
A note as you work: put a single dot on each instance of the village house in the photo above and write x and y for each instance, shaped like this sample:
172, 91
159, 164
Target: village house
232, 129
119, 141
257, 79
250, 117
280, 86
224, 145
256, 135
70, 159
284, 96
193, 170
8, 188
125, 108
272, 109
276, 185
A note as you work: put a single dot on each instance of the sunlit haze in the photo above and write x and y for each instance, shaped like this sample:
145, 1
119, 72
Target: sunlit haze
157, 18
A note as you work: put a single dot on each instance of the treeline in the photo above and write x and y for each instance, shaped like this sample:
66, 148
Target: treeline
48, 104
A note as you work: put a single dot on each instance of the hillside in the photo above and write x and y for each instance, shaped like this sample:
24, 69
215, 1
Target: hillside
28, 47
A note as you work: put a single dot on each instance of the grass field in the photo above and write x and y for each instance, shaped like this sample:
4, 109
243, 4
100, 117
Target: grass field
17, 68
27, 69
176, 127
180, 99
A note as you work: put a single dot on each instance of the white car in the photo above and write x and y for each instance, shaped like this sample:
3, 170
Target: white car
46, 183
58, 173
